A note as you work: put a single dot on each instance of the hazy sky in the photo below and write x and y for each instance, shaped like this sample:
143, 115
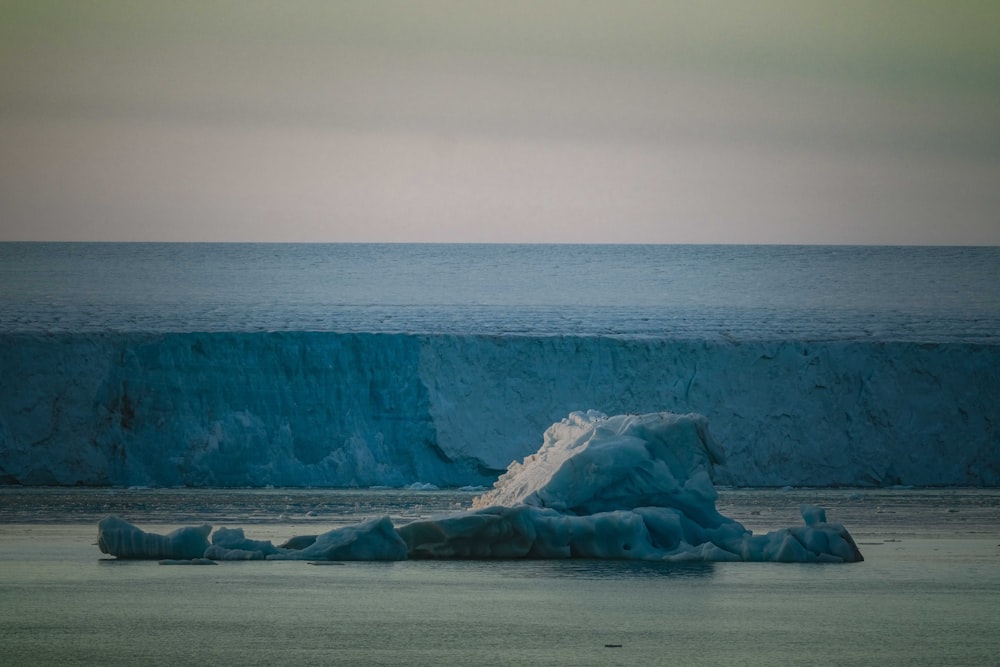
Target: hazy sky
847, 121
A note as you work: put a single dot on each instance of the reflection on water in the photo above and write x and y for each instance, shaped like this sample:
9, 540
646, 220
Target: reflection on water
584, 569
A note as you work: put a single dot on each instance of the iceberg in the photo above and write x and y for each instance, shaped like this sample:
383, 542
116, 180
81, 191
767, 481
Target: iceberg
376, 539
121, 539
623, 487
628, 487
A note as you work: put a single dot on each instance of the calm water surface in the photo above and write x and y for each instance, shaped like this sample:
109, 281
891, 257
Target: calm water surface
925, 595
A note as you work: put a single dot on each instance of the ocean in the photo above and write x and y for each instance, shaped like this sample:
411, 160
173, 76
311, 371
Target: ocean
283, 388
916, 294
925, 594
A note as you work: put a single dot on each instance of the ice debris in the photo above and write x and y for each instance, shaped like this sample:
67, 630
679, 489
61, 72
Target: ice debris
625, 487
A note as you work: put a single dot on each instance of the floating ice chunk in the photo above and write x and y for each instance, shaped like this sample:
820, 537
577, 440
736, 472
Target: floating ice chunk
121, 539
188, 561
375, 539
627, 487
822, 543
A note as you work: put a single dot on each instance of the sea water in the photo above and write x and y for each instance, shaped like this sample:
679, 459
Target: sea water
923, 294
925, 594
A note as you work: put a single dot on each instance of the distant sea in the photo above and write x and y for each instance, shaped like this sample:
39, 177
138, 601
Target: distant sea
913, 294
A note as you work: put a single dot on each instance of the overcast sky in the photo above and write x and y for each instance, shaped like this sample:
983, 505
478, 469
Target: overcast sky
854, 121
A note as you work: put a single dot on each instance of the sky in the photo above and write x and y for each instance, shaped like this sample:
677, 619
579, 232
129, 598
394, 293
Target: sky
772, 121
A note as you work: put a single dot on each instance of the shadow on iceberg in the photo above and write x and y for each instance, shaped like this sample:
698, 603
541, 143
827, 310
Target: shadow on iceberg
633, 487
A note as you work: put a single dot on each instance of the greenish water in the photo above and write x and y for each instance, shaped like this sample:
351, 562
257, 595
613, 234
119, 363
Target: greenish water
925, 595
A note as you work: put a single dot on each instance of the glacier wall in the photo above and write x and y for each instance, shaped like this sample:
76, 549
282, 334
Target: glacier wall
325, 409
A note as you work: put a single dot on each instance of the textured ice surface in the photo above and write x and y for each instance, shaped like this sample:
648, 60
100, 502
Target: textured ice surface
625, 487
119, 538
628, 486
371, 540
375, 539
232, 544
590, 463
326, 409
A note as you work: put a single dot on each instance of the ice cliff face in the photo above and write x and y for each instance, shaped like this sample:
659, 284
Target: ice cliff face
368, 409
